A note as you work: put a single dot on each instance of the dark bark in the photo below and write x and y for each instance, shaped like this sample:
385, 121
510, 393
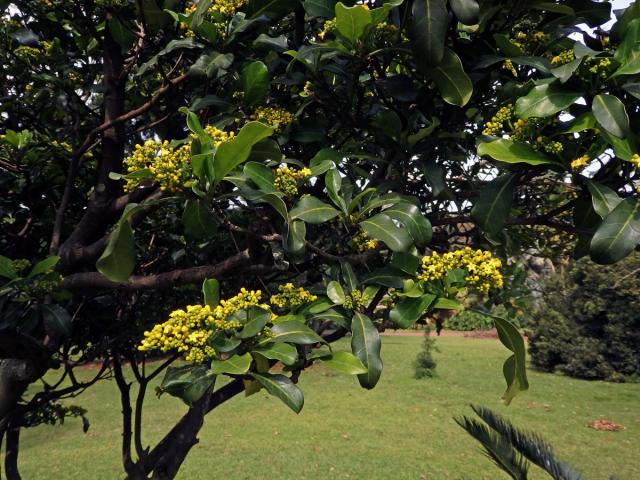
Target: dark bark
11, 452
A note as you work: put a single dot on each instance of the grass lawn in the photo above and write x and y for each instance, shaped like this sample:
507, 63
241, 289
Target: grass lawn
403, 429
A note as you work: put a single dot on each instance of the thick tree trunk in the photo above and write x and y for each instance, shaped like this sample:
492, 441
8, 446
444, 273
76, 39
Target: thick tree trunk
11, 453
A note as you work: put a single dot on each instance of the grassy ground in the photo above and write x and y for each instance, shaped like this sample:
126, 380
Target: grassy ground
403, 429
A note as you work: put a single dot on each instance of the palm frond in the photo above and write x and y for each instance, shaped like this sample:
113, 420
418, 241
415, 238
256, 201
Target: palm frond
497, 448
529, 444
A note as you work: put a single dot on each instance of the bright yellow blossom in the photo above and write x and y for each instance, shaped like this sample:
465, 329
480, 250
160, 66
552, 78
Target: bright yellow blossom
286, 179
291, 297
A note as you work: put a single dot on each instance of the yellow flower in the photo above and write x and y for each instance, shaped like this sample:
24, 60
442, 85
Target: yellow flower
274, 116
291, 297
483, 270
364, 242
286, 179
566, 56
494, 126
579, 163
635, 160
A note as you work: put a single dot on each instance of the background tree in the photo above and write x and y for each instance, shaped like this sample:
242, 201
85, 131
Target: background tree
327, 145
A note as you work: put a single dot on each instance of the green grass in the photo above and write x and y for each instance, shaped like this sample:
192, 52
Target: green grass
403, 429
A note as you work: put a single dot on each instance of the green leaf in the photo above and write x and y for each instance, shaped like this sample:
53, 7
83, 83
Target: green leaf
261, 175
604, 199
283, 388
365, 345
417, 224
545, 100
154, 18
255, 83
514, 368
405, 261
610, 113
454, 84
382, 228
293, 331
385, 276
349, 276
211, 292
344, 362
56, 319
335, 293
312, 210
236, 151
257, 319
618, 234
586, 121
467, 11
187, 382
223, 344
294, 237
320, 8
235, 365
333, 182
44, 266
491, 209
6, 268
509, 151
198, 221
428, 30
409, 310
119, 257
283, 352
351, 22
443, 303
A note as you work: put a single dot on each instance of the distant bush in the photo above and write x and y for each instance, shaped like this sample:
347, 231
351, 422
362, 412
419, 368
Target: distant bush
589, 324
468, 320
425, 364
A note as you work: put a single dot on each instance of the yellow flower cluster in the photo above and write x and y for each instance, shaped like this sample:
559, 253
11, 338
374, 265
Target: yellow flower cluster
329, 26
564, 57
287, 179
188, 331
225, 7
599, 66
483, 270
494, 126
521, 128
291, 297
27, 53
356, 301
635, 160
364, 242
508, 65
218, 136
274, 116
20, 264
553, 147
167, 165
579, 163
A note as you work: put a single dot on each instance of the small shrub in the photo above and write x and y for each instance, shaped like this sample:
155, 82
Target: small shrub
467, 320
425, 364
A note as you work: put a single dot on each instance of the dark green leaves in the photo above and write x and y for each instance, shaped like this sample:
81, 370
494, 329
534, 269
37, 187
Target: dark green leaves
211, 292
292, 331
56, 319
409, 310
344, 362
618, 234
188, 383
235, 365
428, 31
365, 344
467, 11
283, 388
283, 352
545, 100
512, 152
255, 83
514, 368
604, 199
610, 113
452, 81
199, 222
312, 210
492, 208
382, 228
119, 258
236, 151
418, 226
352, 22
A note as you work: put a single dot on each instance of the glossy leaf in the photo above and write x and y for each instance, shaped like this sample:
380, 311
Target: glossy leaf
236, 151
283, 352
56, 319
257, 319
255, 83
453, 82
417, 224
119, 257
428, 31
235, 365
365, 345
604, 199
352, 22
382, 228
409, 310
283, 388
44, 266
198, 221
344, 362
610, 113
211, 292
509, 151
187, 382
335, 292
514, 368
467, 11
545, 100
491, 210
618, 234
312, 210
293, 331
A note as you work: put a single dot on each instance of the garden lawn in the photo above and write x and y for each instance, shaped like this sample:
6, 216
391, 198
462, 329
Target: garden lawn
403, 429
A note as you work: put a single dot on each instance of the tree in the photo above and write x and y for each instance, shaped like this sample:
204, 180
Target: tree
327, 146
